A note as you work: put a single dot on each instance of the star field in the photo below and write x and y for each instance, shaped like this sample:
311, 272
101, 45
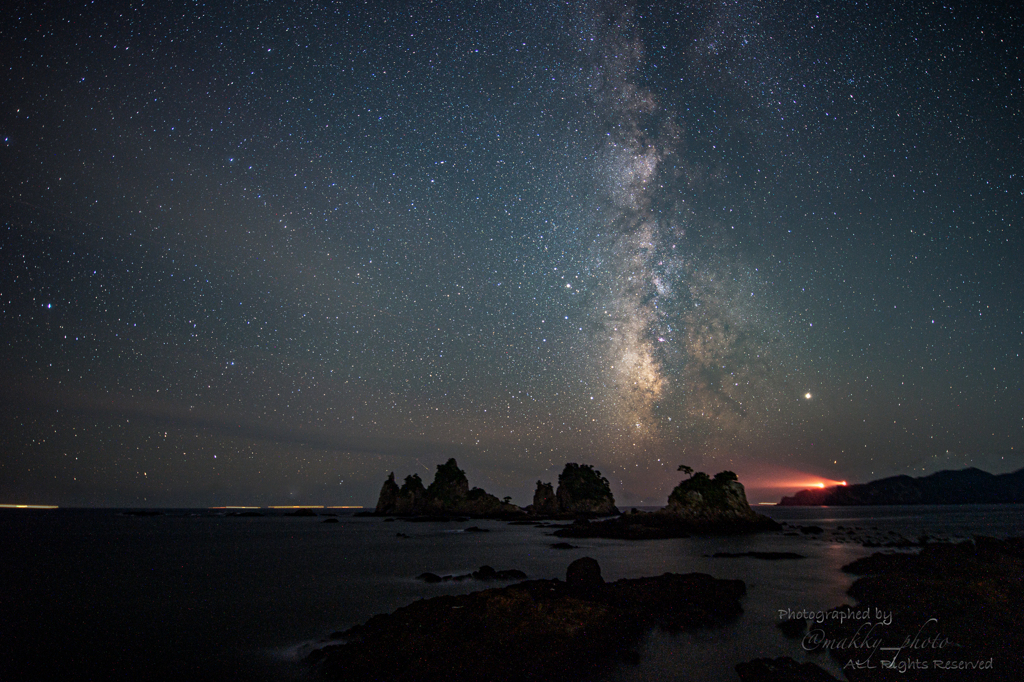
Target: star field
267, 254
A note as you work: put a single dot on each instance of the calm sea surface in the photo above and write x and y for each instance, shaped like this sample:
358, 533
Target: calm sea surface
193, 595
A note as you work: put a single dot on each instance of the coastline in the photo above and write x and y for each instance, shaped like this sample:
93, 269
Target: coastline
238, 598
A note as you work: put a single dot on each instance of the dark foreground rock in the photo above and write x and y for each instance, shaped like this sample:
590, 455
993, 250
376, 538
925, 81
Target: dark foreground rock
957, 613
534, 630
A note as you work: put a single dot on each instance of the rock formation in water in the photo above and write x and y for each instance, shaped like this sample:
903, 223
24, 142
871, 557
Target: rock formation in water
448, 495
967, 486
700, 505
544, 501
582, 491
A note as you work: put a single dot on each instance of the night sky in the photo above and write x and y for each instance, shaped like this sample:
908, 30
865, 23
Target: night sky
266, 253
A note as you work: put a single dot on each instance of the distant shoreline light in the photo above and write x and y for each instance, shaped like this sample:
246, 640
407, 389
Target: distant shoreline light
29, 506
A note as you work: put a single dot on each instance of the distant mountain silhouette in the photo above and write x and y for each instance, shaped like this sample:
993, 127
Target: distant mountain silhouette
967, 486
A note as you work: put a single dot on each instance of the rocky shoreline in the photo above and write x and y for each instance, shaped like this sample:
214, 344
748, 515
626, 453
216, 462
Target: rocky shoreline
957, 610
534, 630
962, 601
951, 612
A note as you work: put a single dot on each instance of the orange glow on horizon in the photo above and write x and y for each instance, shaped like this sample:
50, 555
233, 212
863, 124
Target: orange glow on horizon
802, 482
28, 506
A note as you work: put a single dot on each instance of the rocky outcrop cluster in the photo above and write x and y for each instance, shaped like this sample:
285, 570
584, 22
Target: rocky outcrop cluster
700, 505
582, 491
448, 495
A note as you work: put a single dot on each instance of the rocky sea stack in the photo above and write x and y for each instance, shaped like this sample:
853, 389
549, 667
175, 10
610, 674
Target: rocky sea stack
448, 495
582, 491
699, 505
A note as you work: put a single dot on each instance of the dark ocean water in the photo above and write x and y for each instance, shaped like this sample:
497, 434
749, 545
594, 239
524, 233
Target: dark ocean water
194, 595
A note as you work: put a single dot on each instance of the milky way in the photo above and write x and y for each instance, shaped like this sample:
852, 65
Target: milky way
685, 347
268, 254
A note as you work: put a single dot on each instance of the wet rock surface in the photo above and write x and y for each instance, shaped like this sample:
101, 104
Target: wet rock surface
534, 630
